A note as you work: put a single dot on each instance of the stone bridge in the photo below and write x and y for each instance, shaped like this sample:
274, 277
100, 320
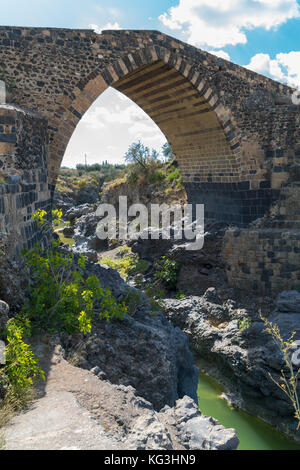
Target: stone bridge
236, 134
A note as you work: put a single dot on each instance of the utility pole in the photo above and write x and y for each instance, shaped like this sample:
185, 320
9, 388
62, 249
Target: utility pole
85, 159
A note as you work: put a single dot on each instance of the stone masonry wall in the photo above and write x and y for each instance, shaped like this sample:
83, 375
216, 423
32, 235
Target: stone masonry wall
23, 175
263, 260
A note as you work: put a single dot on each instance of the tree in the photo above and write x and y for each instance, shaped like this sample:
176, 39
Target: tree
141, 155
167, 151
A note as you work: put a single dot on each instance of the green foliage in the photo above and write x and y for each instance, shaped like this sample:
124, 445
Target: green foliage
141, 267
167, 271
133, 300
156, 177
75, 183
19, 373
61, 299
42, 218
156, 294
174, 177
107, 170
180, 295
21, 365
244, 323
126, 265
141, 155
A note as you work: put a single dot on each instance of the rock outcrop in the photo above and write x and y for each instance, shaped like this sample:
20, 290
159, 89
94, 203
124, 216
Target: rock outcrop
12, 283
241, 359
145, 350
85, 223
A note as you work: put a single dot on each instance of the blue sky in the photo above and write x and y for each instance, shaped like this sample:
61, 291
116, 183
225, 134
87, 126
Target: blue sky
260, 34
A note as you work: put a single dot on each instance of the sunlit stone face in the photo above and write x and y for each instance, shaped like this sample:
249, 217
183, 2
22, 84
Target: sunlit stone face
2, 92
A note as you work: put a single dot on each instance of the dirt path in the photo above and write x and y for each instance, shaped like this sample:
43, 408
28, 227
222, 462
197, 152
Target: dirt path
59, 419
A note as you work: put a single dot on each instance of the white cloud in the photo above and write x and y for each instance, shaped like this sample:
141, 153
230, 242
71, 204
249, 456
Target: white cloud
99, 29
221, 22
285, 67
136, 121
222, 54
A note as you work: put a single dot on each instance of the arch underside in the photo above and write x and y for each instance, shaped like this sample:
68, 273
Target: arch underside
187, 120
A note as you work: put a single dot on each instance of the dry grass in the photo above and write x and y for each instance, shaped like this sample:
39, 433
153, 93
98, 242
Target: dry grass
11, 405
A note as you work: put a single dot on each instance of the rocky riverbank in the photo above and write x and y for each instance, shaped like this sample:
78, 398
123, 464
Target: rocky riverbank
81, 410
232, 346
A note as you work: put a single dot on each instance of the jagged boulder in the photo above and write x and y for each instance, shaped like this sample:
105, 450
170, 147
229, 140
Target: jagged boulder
77, 211
288, 301
198, 431
184, 424
85, 237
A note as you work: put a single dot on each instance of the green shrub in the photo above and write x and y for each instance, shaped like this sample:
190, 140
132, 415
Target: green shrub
156, 177
21, 366
133, 300
180, 295
126, 265
288, 381
141, 267
61, 299
244, 323
167, 272
174, 174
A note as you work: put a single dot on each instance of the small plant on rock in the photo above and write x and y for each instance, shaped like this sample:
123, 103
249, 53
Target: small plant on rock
180, 295
126, 265
167, 272
61, 297
133, 301
244, 323
288, 382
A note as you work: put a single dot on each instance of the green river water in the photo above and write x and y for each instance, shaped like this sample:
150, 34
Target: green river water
253, 433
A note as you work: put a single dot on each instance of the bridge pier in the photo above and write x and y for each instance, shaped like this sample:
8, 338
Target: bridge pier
233, 203
23, 176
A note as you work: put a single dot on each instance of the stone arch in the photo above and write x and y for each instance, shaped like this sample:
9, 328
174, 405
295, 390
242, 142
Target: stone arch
214, 152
